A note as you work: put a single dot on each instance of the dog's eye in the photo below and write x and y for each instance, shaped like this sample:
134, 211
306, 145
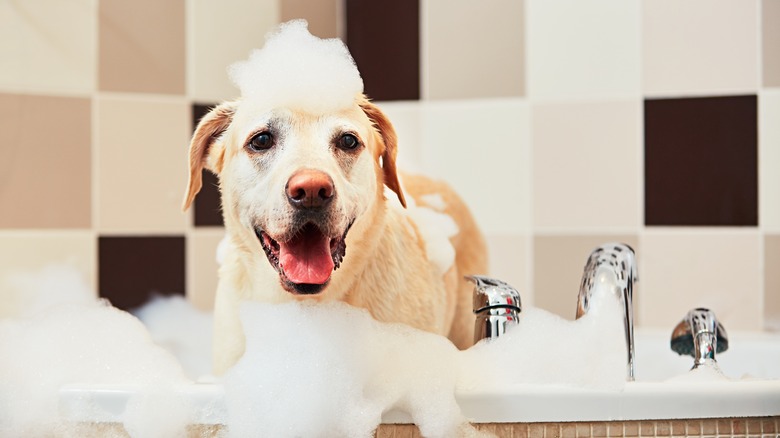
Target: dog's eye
261, 142
348, 142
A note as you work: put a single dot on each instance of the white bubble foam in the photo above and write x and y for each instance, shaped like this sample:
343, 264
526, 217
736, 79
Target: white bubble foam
297, 70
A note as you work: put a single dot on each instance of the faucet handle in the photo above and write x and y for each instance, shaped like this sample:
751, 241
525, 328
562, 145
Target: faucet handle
490, 293
699, 335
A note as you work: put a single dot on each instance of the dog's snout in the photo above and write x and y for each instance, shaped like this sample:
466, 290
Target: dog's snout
310, 189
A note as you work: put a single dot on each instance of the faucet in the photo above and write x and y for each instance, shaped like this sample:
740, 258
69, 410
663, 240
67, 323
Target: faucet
496, 305
612, 266
700, 335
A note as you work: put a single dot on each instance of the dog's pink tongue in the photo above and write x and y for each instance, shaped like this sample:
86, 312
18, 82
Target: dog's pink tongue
306, 259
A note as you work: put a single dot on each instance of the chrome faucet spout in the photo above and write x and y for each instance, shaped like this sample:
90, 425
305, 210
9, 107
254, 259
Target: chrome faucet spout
612, 267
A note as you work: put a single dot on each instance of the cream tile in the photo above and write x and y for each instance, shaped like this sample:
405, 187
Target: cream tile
471, 64
202, 266
406, 118
687, 52
322, 15
221, 34
558, 265
45, 145
29, 252
769, 162
770, 29
482, 149
142, 46
583, 49
772, 281
48, 45
586, 164
718, 269
142, 165
508, 255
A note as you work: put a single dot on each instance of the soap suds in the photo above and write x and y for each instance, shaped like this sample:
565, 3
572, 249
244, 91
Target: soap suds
297, 70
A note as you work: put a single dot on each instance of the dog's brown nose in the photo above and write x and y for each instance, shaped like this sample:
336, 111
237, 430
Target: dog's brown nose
310, 189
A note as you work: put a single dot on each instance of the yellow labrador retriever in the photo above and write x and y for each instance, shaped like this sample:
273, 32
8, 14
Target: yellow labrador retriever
307, 218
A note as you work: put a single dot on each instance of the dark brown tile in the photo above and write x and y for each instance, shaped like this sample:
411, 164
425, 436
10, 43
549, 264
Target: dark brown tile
701, 161
384, 39
207, 209
45, 164
131, 269
141, 46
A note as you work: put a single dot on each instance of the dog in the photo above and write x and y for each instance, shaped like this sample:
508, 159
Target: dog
307, 218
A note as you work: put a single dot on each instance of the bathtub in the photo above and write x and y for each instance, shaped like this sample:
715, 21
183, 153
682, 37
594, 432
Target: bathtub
748, 402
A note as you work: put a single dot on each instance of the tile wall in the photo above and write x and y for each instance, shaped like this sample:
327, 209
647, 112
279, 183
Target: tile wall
564, 124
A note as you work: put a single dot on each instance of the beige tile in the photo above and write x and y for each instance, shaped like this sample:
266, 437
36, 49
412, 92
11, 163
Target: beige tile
30, 252
142, 46
583, 49
406, 118
687, 52
202, 266
772, 281
486, 159
586, 165
558, 265
489, 62
719, 269
142, 165
508, 256
770, 29
769, 153
45, 178
48, 45
222, 33
322, 15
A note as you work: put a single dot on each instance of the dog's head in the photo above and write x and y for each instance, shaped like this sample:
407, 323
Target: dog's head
293, 182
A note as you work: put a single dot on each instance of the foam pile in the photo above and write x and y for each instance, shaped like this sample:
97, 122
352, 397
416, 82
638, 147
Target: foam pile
298, 70
331, 370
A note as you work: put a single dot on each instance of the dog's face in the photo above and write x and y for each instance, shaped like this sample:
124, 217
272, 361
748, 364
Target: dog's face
293, 183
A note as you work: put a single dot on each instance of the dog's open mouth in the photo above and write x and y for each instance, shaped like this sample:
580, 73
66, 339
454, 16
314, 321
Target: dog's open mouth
305, 261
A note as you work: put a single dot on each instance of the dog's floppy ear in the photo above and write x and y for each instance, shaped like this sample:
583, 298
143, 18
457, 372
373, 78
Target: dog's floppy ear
210, 127
386, 130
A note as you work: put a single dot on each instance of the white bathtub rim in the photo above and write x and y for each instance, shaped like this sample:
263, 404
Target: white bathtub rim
520, 404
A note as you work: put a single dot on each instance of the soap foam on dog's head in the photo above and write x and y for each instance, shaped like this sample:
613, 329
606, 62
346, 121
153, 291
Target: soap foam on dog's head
300, 71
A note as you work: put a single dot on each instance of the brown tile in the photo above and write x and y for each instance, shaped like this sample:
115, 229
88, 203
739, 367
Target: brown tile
520, 430
45, 170
142, 164
693, 427
678, 428
447, 46
583, 430
552, 430
615, 429
772, 280
701, 161
724, 426
568, 430
384, 431
768, 426
739, 426
647, 428
141, 46
663, 428
753, 425
322, 15
503, 430
598, 429
131, 269
770, 15
536, 430
558, 265
631, 428
709, 427
383, 34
